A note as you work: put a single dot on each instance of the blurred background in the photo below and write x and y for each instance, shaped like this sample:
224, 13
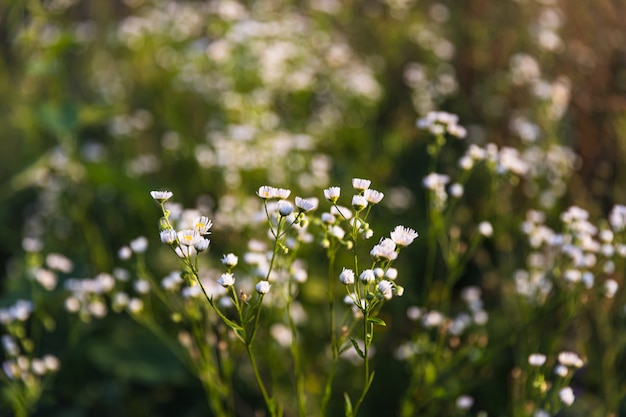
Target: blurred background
102, 102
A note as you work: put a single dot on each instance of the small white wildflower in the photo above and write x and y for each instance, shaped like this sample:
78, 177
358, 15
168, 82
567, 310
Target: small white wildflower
52, 362
226, 280
610, 288
379, 272
464, 402
332, 194
266, 192
536, 359
97, 308
202, 224
282, 193
328, 218
202, 244
359, 202
567, 396
403, 236
570, 359
391, 273
386, 289
367, 276
72, 304
263, 287
168, 236
230, 260
386, 249
456, 190
135, 305
161, 196
485, 228
561, 370
142, 286
307, 204
413, 313
347, 276
541, 413
360, 184
60, 263
373, 196
139, 245
124, 253
285, 208
46, 278
188, 237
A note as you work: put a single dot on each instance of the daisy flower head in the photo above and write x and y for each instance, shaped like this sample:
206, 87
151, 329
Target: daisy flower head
567, 396
285, 208
373, 196
360, 184
403, 236
267, 192
168, 236
332, 194
230, 260
282, 193
188, 237
347, 276
202, 224
367, 276
307, 204
202, 244
161, 196
386, 289
386, 249
536, 359
263, 287
359, 202
226, 280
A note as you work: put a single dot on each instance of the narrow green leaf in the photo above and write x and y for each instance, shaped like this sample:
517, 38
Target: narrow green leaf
349, 411
377, 321
358, 349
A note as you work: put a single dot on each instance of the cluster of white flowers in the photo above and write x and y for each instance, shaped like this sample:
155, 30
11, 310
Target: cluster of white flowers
440, 123
581, 252
567, 361
19, 363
